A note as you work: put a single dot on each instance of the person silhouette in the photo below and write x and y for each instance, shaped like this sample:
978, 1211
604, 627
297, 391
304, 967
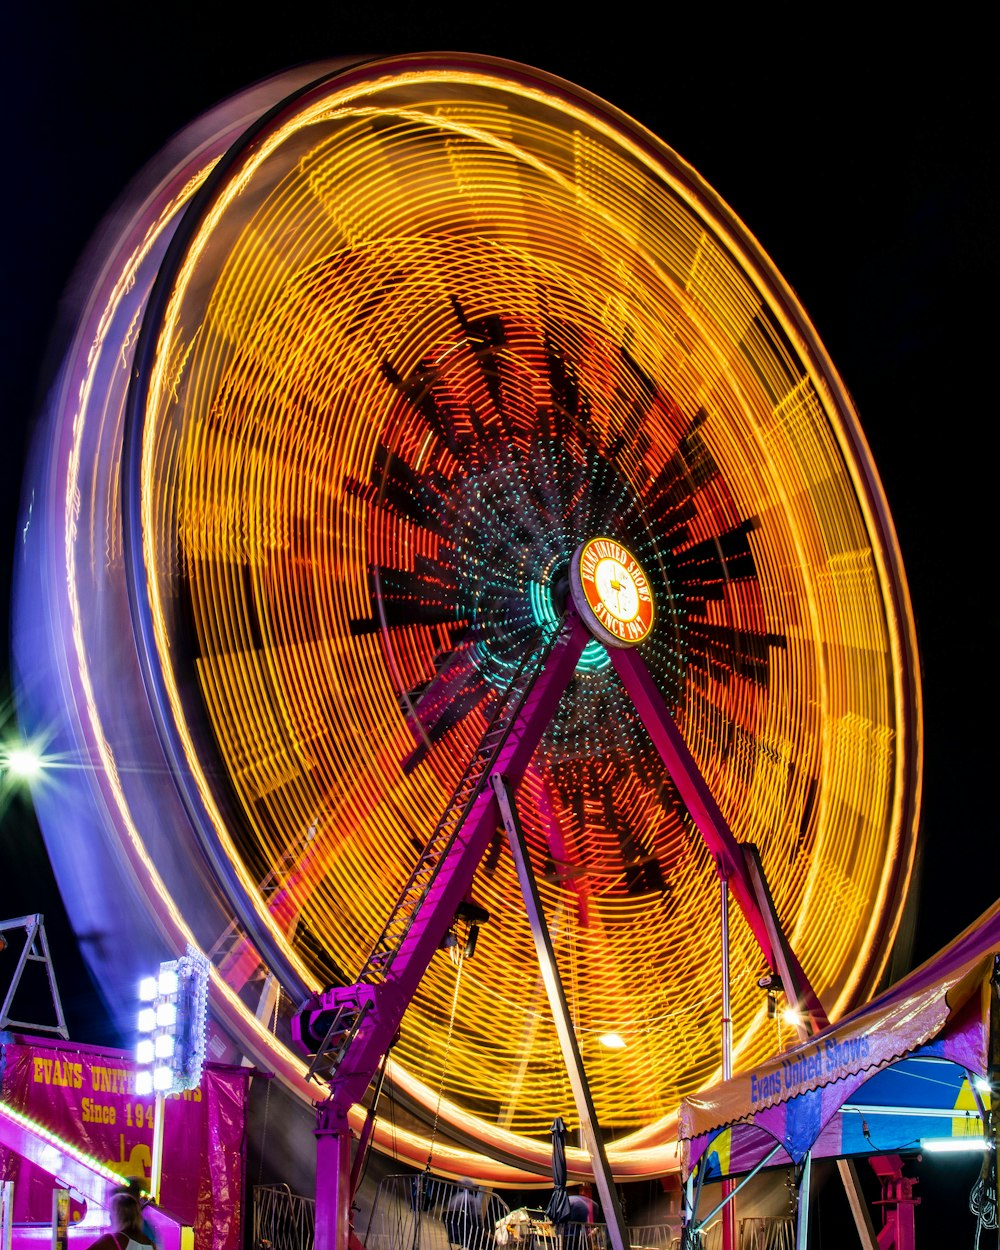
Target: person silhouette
127, 1232
463, 1218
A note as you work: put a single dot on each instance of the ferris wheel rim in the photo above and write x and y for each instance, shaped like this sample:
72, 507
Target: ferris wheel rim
858, 458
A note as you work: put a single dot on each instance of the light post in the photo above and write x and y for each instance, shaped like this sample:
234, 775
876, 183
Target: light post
170, 1053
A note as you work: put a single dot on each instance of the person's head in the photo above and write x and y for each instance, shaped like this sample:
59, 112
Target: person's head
126, 1214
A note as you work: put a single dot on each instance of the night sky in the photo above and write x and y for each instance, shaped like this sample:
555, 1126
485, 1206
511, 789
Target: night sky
865, 161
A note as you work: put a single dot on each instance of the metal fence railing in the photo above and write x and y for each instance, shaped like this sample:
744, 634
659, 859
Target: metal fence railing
755, 1233
772, 1233
709, 1239
282, 1220
421, 1212
425, 1213
653, 1236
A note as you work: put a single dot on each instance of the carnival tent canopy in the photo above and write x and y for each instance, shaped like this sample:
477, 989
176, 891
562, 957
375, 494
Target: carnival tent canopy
891, 1074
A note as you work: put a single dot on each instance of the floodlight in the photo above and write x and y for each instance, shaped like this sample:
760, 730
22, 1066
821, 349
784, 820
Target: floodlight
952, 1145
164, 1046
166, 1015
167, 981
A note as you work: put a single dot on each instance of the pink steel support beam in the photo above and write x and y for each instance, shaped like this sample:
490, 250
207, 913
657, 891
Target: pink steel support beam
897, 1202
725, 850
454, 878
389, 1001
797, 987
333, 1179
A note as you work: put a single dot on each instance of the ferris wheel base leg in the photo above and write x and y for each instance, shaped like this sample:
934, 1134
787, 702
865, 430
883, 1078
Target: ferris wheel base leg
333, 1179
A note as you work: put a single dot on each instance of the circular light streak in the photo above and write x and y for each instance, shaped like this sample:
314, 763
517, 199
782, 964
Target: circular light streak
424, 329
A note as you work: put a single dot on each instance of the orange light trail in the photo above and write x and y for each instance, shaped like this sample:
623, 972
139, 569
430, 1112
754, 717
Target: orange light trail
439, 323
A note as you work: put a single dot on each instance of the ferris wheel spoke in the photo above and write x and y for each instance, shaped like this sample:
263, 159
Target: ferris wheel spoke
425, 329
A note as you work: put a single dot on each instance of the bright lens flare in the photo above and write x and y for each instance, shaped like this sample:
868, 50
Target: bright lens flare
23, 761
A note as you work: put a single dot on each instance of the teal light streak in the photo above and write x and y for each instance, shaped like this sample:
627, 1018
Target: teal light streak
594, 657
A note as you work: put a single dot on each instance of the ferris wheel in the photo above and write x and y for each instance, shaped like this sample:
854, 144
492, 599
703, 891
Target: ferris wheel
375, 359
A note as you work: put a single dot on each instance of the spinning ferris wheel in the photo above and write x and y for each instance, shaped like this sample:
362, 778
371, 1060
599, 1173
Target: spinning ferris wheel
371, 352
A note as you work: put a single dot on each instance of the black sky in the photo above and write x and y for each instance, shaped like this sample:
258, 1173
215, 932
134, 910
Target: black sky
863, 158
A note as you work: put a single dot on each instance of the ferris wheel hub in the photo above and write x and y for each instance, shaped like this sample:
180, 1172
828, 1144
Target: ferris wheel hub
612, 593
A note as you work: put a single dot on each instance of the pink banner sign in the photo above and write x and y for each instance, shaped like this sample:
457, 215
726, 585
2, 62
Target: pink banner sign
87, 1096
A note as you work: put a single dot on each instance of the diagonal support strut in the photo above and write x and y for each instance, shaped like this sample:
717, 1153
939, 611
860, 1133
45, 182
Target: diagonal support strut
386, 1001
613, 1214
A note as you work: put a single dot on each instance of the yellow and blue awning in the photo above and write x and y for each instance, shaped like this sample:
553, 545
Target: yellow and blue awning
899, 1070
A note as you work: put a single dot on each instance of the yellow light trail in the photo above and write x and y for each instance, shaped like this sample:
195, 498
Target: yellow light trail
438, 323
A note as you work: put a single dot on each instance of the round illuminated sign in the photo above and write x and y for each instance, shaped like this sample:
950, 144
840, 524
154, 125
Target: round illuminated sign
612, 593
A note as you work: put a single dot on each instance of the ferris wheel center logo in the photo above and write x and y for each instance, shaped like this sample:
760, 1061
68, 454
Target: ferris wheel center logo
612, 593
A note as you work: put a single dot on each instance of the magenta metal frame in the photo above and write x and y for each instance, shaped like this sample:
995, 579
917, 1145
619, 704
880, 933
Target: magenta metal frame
385, 1003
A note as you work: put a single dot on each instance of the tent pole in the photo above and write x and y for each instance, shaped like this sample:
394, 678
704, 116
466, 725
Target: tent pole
802, 1218
762, 1163
856, 1201
692, 1193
